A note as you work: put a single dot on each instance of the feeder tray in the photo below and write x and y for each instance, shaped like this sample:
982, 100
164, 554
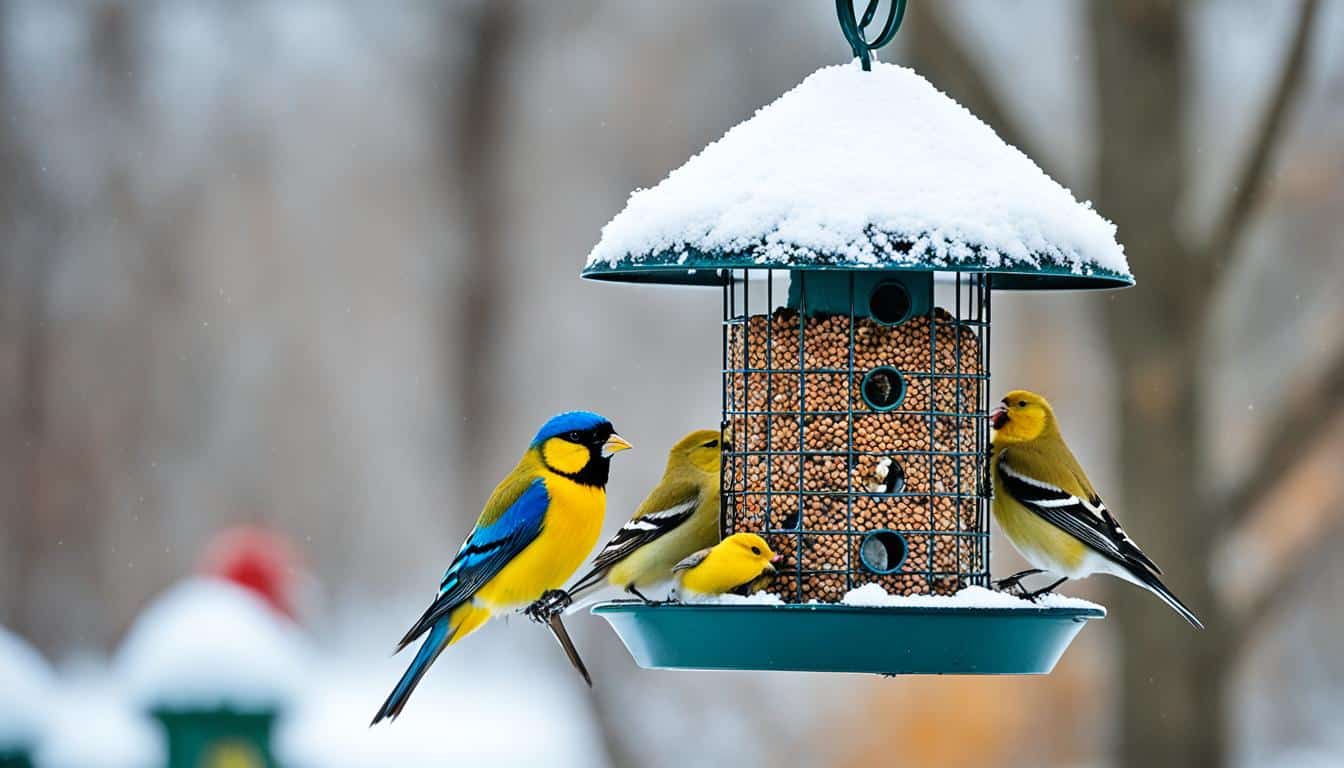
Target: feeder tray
913, 640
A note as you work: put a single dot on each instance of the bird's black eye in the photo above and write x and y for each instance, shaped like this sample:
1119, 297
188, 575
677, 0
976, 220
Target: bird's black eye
711, 444
1021, 403
574, 436
755, 550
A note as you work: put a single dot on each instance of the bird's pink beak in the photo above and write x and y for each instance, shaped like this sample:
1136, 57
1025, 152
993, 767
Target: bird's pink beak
998, 417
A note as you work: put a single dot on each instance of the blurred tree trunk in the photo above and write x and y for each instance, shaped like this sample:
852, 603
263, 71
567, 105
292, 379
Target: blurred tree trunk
34, 520
1176, 707
81, 459
1175, 683
1171, 697
24, 277
479, 110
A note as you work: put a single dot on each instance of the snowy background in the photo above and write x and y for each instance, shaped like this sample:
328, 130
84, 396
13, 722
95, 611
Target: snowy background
315, 265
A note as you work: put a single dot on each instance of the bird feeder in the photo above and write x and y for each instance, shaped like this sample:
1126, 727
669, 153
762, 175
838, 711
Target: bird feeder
216, 667
858, 228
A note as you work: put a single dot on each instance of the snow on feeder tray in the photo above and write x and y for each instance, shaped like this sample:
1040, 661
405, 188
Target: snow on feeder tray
216, 666
857, 396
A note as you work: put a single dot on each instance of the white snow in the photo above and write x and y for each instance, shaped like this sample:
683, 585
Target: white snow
207, 643
759, 598
467, 711
25, 690
847, 164
874, 596
94, 723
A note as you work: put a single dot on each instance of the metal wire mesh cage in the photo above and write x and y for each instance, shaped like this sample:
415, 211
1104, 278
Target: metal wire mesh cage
856, 412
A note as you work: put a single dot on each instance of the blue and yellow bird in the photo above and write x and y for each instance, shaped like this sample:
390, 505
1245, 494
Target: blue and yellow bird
535, 531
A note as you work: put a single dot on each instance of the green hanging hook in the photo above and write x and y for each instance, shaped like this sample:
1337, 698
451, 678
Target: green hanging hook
854, 28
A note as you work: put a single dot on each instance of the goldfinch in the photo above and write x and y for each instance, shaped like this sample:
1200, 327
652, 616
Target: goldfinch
735, 562
536, 529
1049, 510
679, 517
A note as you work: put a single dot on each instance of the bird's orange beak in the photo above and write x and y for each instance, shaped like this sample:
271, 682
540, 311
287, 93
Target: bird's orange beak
615, 444
998, 417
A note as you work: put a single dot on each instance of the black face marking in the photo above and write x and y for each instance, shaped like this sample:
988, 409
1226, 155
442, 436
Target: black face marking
597, 468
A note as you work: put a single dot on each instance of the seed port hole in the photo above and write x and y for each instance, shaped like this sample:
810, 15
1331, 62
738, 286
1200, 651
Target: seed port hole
883, 551
888, 477
883, 388
889, 303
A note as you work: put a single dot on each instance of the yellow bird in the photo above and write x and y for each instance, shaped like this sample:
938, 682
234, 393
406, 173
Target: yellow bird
1049, 510
679, 517
539, 524
735, 562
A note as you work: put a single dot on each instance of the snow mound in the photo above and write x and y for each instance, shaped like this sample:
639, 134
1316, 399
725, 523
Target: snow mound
874, 596
466, 714
25, 686
868, 169
93, 723
759, 598
207, 644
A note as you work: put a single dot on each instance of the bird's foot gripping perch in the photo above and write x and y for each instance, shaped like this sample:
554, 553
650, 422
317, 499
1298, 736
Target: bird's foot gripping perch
551, 603
1032, 596
1014, 582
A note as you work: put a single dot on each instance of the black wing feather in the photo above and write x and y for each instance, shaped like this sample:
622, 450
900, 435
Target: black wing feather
1086, 520
634, 534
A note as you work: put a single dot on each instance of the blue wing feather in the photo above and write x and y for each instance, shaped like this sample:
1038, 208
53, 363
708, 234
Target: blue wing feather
485, 553
489, 548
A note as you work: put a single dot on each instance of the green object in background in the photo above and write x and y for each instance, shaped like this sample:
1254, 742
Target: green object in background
11, 757
826, 637
220, 738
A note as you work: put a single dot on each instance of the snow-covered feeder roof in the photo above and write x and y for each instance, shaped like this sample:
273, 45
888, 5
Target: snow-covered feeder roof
855, 170
208, 644
25, 686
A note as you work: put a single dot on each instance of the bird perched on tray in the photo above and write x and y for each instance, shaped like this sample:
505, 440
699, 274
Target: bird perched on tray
536, 529
733, 563
679, 517
1049, 510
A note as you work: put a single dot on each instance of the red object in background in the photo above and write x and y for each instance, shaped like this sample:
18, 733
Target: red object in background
258, 559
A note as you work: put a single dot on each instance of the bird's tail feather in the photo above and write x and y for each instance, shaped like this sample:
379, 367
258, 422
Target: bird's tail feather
460, 623
1152, 583
557, 626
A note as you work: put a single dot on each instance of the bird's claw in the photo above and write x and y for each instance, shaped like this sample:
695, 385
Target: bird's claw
551, 602
1014, 583
634, 591
1038, 594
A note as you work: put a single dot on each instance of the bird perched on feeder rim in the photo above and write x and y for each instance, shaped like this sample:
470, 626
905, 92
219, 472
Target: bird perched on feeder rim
539, 524
733, 563
679, 517
1049, 510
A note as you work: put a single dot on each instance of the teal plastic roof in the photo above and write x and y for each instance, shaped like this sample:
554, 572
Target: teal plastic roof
695, 268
